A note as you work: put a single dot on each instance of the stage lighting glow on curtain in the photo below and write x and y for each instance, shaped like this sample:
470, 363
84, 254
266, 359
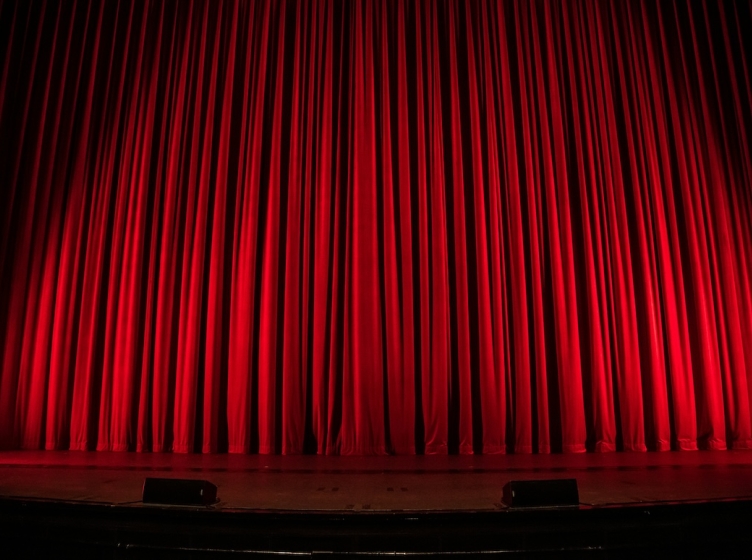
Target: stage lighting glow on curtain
375, 226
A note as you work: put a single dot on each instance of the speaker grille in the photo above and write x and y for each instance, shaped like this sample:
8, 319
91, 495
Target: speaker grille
179, 492
541, 493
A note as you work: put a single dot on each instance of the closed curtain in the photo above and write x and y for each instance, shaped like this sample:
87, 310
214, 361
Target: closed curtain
367, 227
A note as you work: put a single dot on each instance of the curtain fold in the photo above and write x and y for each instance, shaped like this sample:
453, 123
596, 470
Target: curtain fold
375, 226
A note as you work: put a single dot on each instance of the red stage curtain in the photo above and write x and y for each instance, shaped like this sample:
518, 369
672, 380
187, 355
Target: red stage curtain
366, 227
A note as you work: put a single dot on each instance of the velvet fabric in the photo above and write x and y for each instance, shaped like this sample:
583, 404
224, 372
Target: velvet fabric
375, 227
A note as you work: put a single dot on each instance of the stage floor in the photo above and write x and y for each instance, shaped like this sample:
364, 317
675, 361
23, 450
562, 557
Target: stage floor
377, 484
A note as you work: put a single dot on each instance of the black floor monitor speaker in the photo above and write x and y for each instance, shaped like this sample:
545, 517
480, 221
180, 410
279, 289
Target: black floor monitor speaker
179, 492
541, 493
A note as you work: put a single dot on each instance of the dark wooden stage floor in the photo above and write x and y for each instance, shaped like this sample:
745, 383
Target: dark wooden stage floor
415, 483
84, 503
